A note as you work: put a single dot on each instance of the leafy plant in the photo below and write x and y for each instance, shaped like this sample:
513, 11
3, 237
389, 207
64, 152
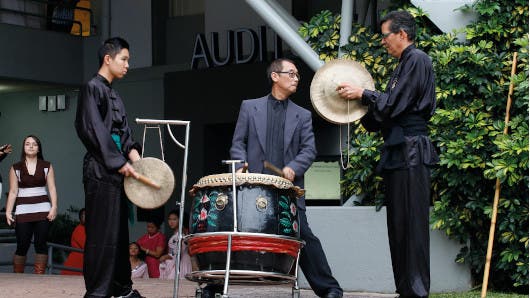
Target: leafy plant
60, 231
472, 81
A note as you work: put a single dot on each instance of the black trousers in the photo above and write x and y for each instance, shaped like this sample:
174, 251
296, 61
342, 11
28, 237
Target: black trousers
313, 261
407, 197
106, 267
36, 229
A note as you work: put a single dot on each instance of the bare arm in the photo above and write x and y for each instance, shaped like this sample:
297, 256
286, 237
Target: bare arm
50, 181
11, 197
157, 253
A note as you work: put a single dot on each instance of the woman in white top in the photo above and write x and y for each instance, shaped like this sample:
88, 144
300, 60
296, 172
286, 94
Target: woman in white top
34, 207
167, 262
138, 266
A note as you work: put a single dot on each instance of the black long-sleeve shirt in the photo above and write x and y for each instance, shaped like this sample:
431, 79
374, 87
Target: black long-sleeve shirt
100, 113
404, 109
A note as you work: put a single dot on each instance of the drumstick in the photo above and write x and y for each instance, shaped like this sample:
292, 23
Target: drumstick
272, 168
147, 181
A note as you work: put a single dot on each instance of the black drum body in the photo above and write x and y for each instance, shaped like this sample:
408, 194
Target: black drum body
267, 238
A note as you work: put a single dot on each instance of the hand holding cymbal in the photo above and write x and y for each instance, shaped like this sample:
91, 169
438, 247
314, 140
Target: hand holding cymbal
332, 83
349, 92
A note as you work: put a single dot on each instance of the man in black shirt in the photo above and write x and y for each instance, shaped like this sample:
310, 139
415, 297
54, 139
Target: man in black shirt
401, 113
101, 124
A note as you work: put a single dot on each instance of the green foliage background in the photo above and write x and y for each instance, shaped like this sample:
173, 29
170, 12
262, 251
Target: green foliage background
472, 83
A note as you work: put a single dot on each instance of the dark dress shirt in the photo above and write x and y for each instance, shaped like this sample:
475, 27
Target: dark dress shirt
275, 132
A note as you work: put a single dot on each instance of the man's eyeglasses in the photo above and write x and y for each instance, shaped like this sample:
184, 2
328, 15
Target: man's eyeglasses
291, 74
385, 35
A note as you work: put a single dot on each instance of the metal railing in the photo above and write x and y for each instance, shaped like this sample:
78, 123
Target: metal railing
8, 236
52, 266
46, 17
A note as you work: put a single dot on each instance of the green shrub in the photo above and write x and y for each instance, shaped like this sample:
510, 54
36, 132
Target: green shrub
60, 231
472, 81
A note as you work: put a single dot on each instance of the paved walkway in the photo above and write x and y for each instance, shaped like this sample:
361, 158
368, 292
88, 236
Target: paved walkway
57, 286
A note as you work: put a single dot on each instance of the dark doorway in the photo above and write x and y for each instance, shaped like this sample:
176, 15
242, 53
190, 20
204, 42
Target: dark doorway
218, 139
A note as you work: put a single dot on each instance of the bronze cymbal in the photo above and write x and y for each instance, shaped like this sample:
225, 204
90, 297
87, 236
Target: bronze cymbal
324, 97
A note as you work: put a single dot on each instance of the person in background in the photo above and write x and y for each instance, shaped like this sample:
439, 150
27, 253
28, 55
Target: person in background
75, 258
153, 244
34, 207
401, 113
168, 261
138, 266
102, 126
4, 151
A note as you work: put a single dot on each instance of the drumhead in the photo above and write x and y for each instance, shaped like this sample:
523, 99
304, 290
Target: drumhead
145, 196
245, 178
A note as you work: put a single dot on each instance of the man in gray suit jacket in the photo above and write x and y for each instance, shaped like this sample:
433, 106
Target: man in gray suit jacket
275, 129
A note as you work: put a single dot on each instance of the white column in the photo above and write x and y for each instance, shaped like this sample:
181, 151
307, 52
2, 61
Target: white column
345, 24
290, 36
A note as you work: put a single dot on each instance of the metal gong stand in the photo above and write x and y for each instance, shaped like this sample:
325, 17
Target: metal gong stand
235, 232
153, 123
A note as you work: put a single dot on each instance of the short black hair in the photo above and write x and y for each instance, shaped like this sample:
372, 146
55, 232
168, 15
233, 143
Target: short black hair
276, 66
156, 220
111, 47
175, 212
401, 20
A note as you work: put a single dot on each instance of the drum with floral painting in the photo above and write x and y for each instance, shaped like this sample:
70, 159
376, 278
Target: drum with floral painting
267, 237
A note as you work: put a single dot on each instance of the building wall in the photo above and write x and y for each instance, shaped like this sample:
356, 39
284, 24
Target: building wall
142, 92
131, 19
21, 117
360, 257
31, 54
180, 42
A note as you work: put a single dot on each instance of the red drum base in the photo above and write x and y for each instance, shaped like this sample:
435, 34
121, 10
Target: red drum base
255, 257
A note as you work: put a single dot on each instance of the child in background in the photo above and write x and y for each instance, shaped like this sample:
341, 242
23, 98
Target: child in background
168, 262
153, 244
138, 266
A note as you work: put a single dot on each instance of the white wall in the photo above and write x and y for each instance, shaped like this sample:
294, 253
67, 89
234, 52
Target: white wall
220, 16
356, 245
21, 117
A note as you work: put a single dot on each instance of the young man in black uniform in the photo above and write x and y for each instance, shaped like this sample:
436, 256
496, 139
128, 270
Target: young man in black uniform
101, 124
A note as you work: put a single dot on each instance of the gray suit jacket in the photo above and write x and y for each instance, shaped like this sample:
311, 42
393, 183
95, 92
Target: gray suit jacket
249, 141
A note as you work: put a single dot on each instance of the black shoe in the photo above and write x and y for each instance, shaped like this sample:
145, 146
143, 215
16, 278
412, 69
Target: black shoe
210, 290
334, 293
132, 294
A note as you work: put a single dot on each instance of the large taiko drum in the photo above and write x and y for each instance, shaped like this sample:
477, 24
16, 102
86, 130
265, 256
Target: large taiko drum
267, 241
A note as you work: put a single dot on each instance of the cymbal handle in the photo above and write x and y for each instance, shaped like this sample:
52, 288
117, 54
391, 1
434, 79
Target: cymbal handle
147, 181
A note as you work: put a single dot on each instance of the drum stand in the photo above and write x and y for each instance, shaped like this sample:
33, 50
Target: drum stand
242, 275
168, 123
